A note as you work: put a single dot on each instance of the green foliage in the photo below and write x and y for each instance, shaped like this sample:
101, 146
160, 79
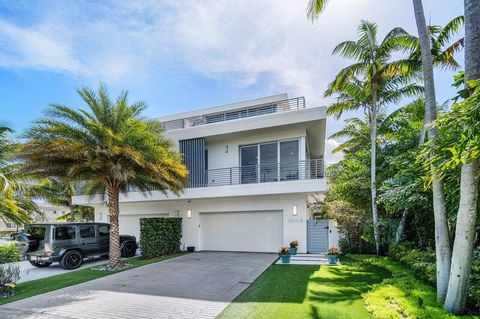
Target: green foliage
106, 145
9, 253
15, 203
9, 275
160, 236
422, 264
402, 295
459, 141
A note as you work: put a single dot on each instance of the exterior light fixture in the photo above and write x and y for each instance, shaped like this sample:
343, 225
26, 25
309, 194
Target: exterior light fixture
226, 148
189, 213
295, 210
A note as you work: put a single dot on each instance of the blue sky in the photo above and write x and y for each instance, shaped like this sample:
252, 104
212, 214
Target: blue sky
179, 55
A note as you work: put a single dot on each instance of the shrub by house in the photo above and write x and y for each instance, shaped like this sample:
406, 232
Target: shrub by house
160, 236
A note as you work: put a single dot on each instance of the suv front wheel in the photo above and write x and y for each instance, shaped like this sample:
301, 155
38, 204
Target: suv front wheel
71, 260
40, 264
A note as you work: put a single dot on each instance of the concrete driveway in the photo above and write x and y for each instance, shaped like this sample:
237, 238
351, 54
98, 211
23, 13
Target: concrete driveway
198, 285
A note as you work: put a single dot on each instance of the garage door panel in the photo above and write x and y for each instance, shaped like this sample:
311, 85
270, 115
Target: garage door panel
242, 231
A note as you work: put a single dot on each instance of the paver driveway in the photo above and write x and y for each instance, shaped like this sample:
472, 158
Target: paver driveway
197, 285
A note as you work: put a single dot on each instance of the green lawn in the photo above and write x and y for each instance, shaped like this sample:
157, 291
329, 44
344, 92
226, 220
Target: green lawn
296, 291
39, 286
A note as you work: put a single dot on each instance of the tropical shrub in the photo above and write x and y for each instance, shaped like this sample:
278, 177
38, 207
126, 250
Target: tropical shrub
9, 253
160, 236
9, 275
422, 263
294, 243
284, 251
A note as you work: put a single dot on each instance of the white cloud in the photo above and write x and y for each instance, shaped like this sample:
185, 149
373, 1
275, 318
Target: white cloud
246, 43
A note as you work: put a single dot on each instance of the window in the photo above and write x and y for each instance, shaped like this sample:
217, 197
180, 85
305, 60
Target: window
215, 118
103, 231
11, 225
64, 233
87, 232
36, 231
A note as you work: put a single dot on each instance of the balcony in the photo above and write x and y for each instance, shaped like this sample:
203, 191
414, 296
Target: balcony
264, 173
252, 111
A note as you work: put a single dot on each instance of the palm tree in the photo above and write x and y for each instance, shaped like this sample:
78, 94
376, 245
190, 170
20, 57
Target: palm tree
371, 83
15, 204
357, 134
109, 147
467, 213
439, 55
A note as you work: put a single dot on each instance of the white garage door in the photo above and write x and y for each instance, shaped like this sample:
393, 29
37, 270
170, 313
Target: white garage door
242, 231
130, 224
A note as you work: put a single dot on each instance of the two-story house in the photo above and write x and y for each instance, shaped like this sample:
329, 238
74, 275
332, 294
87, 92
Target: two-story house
252, 167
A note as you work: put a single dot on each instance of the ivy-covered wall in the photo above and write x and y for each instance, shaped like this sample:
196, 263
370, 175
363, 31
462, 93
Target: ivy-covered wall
160, 236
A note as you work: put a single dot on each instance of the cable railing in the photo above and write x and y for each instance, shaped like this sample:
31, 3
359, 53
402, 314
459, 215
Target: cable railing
263, 173
257, 110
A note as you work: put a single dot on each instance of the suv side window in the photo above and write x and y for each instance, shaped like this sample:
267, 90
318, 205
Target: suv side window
103, 231
64, 233
87, 232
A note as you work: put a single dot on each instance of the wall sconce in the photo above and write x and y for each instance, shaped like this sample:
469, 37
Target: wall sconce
189, 213
226, 148
295, 210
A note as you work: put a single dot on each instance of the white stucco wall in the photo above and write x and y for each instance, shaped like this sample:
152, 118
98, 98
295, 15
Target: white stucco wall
294, 227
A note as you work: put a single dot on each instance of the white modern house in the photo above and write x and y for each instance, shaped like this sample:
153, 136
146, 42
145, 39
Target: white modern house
252, 167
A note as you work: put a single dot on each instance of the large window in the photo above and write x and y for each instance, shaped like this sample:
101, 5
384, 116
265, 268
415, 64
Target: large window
269, 162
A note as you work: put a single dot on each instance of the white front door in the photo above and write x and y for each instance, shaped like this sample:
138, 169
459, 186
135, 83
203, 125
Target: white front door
258, 231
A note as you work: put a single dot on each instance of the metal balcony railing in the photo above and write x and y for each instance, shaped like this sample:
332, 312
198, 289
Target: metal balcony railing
256, 110
264, 173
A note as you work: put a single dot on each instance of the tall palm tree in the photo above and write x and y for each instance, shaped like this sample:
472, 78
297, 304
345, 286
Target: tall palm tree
370, 83
430, 55
467, 213
109, 147
15, 204
442, 241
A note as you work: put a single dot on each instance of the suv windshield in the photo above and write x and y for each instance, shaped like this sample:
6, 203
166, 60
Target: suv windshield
36, 231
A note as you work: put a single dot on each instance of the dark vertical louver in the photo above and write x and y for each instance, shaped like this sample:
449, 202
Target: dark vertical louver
193, 151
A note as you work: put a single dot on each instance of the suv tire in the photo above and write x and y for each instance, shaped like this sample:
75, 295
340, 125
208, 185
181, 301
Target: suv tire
129, 249
40, 264
71, 260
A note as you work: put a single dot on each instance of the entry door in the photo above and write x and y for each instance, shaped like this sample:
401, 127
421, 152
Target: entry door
317, 236
268, 162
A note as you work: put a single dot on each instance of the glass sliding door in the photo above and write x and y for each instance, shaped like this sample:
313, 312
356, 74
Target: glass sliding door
289, 165
269, 162
249, 164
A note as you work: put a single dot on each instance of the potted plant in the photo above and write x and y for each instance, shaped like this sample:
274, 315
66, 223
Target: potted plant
293, 247
285, 255
332, 255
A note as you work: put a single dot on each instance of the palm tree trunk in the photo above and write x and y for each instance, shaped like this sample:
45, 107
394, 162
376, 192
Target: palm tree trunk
373, 172
399, 236
442, 242
114, 260
464, 239
467, 211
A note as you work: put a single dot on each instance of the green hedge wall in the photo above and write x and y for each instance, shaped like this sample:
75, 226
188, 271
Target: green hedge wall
160, 236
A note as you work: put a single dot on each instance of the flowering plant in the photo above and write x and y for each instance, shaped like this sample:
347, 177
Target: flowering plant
294, 243
333, 251
284, 251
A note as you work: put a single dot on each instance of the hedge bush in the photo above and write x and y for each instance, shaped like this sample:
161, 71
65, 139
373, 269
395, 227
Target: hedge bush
160, 236
9, 253
423, 265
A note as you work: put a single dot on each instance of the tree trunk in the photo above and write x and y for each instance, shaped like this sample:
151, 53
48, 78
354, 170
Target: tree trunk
400, 235
373, 172
467, 211
114, 260
464, 238
442, 242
